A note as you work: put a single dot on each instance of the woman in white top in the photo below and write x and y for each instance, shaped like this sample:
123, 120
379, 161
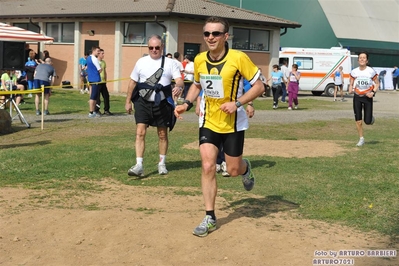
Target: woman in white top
339, 83
364, 84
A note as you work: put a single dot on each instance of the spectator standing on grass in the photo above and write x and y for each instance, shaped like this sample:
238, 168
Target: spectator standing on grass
219, 72
395, 77
286, 73
264, 81
176, 59
103, 90
364, 84
93, 77
30, 67
293, 86
46, 55
277, 79
151, 92
339, 83
188, 74
44, 76
83, 73
381, 79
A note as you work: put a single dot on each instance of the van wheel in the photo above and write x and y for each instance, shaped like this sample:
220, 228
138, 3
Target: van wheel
317, 93
330, 90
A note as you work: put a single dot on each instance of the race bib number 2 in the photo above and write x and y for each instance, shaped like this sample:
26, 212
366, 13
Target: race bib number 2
212, 86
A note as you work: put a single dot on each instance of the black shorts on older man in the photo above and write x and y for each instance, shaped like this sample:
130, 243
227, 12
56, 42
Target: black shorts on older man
146, 112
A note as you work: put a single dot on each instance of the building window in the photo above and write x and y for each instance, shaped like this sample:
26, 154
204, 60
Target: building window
138, 32
61, 32
247, 39
28, 26
304, 63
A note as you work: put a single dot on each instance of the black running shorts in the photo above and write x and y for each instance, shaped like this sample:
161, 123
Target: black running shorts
233, 143
146, 112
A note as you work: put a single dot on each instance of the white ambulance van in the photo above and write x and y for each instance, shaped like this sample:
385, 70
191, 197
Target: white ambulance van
317, 67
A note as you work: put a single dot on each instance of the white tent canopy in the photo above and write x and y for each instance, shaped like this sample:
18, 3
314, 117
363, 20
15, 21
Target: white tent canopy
16, 34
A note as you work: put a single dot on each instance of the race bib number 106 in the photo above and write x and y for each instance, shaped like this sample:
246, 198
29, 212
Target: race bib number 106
212, 86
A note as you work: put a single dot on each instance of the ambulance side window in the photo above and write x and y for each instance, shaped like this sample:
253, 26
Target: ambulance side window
304, 63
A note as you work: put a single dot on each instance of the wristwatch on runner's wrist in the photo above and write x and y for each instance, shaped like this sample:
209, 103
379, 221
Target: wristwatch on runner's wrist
190, 104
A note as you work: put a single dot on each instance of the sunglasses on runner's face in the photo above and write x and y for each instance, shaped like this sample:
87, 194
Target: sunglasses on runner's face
152, 48
214, 33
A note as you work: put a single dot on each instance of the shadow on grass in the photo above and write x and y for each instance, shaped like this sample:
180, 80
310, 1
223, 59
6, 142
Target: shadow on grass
257, 208
11, 146
188, 165
173, 166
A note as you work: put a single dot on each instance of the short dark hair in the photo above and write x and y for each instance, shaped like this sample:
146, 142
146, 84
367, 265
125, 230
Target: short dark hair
176, 55
363, 52
189, 57
94, 48
215, 19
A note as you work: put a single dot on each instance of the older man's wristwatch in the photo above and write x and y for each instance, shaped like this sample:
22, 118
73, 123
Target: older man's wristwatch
238, 104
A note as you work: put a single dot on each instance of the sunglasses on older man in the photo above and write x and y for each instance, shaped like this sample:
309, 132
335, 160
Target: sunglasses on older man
152, 48
214, 33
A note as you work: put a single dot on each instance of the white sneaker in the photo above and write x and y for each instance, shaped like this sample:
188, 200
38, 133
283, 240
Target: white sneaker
361, 142
86, 91
136, 170
218, 168
82, 92
296, 107
372, 120
274, 107
94, 114
223, 167
289, 108
30, 95
162, 169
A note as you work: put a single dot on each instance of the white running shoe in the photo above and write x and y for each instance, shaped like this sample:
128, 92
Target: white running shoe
223, 168
289, 108
218, 168
296, 107
162, 169
136, 170
361, 142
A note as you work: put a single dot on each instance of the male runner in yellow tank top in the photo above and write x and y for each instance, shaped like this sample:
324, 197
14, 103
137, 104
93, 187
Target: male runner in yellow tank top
219, 72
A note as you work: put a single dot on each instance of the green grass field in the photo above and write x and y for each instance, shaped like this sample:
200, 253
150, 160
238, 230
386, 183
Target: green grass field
358, 188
